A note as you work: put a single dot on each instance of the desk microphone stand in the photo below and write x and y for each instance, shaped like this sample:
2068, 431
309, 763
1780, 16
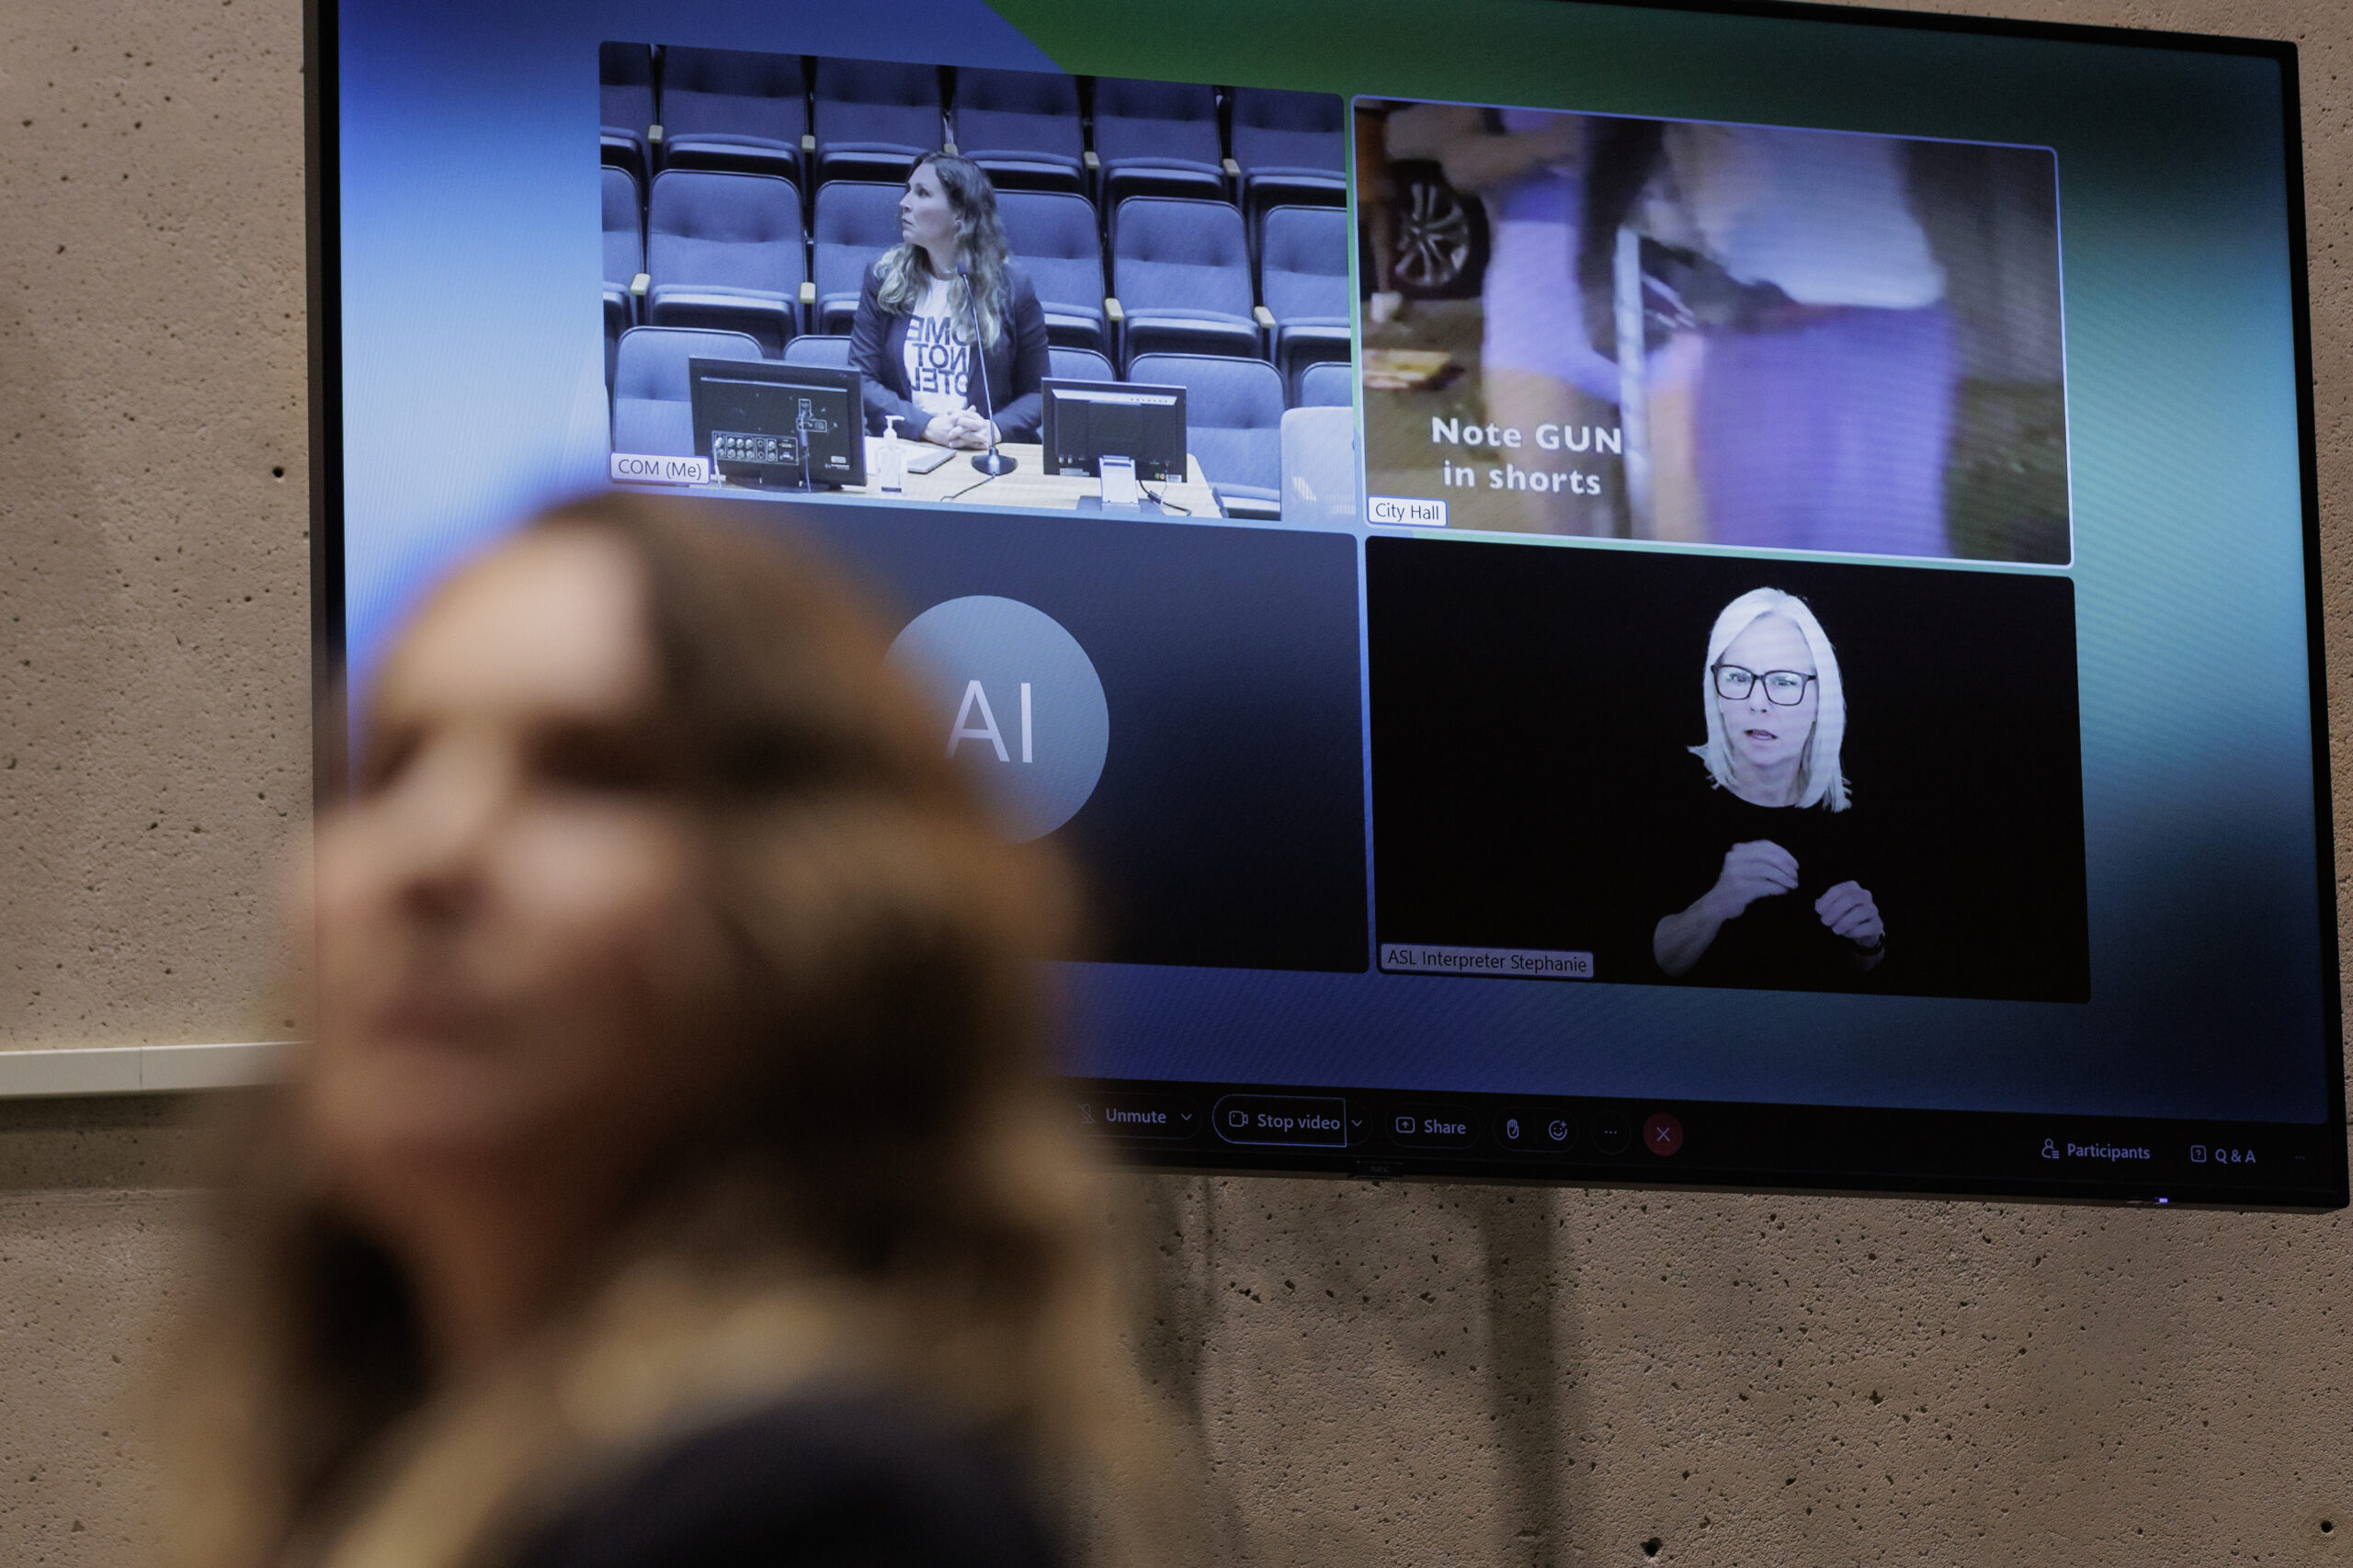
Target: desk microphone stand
991, 463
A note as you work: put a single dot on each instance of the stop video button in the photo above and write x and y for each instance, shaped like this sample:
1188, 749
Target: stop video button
1307, 1121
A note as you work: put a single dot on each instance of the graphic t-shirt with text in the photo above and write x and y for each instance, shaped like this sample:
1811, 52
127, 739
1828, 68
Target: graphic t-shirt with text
939, 367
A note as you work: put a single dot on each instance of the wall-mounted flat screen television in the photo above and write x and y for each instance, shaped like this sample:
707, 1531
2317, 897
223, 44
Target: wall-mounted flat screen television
1738, 605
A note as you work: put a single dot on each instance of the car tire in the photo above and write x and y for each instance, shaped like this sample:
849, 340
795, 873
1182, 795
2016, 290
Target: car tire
1440, 236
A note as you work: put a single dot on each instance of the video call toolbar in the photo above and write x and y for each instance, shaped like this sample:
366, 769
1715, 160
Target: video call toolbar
1608, 1141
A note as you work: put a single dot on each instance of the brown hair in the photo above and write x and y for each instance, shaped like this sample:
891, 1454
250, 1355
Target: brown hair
903, 272
892, 1141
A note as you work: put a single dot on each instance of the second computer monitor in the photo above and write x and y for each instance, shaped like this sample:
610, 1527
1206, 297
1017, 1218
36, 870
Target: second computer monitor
794, 426
1088, 421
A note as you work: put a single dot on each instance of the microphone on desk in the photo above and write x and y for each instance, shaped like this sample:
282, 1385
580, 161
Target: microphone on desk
991, 463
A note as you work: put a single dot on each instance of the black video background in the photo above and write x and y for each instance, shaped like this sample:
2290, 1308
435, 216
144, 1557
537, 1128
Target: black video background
1531, 707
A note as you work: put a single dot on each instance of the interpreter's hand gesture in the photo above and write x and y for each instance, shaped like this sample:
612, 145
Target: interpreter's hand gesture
1759, 868
1847, 909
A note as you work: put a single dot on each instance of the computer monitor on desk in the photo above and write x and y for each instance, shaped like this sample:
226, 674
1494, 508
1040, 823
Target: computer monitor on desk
794, 427
1088, 421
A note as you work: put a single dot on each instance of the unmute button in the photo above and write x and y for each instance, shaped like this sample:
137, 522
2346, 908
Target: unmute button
1141, 1116
1313, 1121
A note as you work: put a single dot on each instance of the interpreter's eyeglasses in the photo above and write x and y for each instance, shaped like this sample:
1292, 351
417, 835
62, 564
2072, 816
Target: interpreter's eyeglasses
1783, 688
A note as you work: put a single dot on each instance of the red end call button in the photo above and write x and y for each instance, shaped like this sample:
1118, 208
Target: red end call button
1662, 1135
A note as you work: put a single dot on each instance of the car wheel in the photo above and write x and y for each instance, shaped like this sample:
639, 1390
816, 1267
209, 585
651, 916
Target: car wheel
1441, 236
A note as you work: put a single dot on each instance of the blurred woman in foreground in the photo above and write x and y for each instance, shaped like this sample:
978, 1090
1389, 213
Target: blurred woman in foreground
666, 1182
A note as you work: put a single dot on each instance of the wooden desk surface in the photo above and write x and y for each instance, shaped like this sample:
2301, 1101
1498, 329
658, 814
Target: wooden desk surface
1028, 486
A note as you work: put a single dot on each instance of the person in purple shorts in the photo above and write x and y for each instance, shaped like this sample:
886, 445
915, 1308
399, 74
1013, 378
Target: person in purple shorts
1824, 407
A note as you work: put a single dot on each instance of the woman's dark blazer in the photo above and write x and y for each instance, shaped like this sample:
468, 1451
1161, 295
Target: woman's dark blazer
1015, 366
821, 1483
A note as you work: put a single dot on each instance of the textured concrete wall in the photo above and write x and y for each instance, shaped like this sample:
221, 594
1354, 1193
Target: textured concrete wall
1393, 1374
154, 702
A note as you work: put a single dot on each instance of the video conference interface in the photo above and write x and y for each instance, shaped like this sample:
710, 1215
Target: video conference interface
1547, 630
1745, 338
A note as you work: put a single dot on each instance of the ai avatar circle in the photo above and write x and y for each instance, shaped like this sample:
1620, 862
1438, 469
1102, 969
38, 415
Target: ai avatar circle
1019, 705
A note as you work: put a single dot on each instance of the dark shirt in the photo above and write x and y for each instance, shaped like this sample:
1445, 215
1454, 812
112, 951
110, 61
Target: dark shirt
1778, 943
1015, 365
833, 1483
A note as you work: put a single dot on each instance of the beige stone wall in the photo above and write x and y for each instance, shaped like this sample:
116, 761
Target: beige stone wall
1399, 1374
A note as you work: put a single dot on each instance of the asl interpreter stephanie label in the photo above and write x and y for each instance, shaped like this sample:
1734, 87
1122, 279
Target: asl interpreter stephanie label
642, 467
1405, 512
1510, 963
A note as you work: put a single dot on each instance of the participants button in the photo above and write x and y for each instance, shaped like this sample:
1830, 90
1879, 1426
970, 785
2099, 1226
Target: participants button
1140, 1116
1432, 1126
1534, 1129
1310, 1121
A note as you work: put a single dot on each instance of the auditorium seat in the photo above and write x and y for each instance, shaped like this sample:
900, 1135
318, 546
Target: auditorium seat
624, 257
652, 406
1051, 235
1320, 467
1022, 127
725, 254
731, 109
857, 221
1180, 271
832, 353
1303, 279
1288, 148
1157, 138
1328, 385
1233, 424
1078, 365
875, 118
625, 100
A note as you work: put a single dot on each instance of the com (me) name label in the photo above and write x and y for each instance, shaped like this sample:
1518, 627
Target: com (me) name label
641, 468
1523, 963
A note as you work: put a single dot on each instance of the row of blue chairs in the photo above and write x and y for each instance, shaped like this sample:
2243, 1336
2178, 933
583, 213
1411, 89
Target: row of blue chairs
1236, 409
811, 121
726, 251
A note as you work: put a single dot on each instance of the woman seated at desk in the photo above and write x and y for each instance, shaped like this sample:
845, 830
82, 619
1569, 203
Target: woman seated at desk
945, 282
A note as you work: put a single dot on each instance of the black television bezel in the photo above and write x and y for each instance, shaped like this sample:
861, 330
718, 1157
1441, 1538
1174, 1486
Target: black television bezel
1757, 1147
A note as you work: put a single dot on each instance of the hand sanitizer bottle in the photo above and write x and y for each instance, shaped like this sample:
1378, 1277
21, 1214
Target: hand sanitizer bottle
894, 461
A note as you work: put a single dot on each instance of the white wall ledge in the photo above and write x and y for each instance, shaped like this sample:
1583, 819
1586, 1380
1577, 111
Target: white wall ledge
138, 1069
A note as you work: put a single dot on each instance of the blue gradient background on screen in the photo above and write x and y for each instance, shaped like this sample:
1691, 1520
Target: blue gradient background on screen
473, 389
